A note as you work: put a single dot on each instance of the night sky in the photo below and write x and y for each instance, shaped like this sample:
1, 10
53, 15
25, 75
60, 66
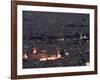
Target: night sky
53, 23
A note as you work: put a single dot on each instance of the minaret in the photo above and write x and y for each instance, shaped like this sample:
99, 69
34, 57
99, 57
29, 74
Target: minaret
81, 37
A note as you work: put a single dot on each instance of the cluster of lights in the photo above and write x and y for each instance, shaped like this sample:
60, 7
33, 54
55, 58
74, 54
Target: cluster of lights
52, 57
42, 57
